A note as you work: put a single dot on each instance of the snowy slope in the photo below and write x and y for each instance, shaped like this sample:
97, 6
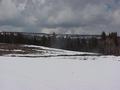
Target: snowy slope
40, 51
56, 69
60, 73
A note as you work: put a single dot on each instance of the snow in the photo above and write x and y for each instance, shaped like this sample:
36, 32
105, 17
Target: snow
48, 52
60, 73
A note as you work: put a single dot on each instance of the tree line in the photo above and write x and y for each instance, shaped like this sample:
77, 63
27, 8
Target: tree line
106, 44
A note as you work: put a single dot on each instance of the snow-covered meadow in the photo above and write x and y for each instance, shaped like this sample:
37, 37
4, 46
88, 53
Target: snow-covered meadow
60, 73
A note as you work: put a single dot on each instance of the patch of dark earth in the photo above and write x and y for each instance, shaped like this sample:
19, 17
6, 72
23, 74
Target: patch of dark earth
59, 55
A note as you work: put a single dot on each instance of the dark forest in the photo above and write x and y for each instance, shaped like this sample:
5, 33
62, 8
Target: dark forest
104, 44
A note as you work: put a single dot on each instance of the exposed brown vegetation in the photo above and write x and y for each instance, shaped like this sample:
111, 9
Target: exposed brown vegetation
17, 49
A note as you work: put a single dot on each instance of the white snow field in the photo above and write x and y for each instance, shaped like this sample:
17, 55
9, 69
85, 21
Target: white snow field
60, 73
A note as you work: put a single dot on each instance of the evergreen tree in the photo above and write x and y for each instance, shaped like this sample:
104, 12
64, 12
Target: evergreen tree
103, 36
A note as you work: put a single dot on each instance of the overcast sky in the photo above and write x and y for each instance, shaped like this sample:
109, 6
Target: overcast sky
60, 16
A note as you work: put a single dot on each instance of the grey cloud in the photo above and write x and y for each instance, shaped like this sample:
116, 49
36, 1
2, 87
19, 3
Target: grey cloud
70, 16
